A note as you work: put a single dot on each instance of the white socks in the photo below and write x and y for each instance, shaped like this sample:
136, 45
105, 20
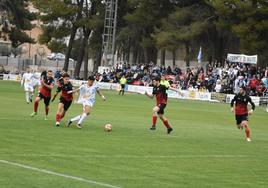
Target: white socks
31, 95
27, 96
79, 118
76, 118
83, 117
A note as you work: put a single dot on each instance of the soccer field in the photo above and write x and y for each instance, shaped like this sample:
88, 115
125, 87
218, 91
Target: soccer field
205, 149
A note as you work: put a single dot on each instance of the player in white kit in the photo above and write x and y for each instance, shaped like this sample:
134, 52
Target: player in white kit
87, 98
36, 80
27, 82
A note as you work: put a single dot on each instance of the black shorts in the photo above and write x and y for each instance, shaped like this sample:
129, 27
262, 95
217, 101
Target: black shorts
161, 108
123, 86
46, 99
66, 104
240, 118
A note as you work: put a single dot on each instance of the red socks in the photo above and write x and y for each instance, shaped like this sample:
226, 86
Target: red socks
36, 106
247, 130
36, 103
58, 117
154, 118
166, 124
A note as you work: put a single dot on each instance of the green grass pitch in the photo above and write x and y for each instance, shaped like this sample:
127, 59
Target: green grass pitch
205, 150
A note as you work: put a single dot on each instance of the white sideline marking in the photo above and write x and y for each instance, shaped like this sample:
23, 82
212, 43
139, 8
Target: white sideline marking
127, 156
58, 174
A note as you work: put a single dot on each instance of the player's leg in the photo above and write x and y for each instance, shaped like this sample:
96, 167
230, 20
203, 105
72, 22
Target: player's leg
46, 102
239, 126
36, 103
60, 110
86, 112
63, 113
74, 119
123, 89
66, 106
31, 91
154, 117
247, 130
238, 122
27, 95
164, 120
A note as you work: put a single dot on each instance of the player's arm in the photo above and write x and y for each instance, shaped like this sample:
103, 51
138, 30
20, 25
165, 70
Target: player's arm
56, 94
232, 103
252, 105
74, 90
49, 86
176, 90
74, 95
149, 95
46, 85
100, 94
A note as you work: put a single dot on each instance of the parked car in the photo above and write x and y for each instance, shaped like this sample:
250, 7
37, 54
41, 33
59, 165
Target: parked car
51, 56
58, 56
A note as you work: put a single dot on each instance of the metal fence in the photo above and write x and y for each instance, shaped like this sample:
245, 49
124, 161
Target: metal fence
18, 65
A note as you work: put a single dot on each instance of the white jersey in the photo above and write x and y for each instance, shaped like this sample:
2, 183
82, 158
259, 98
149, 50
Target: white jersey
87, 94
28, 81
36, 79
28, 78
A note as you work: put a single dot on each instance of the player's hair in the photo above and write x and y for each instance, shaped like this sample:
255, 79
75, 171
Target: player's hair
244, 88
91, 78
49, 71
65, 75
157, 78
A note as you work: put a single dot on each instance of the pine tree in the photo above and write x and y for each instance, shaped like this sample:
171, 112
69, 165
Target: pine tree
17, 21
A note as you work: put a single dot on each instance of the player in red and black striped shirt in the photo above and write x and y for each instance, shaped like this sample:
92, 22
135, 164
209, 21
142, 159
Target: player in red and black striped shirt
241, 101
64, 86
47, 84
160, 92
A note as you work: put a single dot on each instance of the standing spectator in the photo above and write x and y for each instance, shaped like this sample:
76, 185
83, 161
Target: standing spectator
266, 72
253, 84
123, 82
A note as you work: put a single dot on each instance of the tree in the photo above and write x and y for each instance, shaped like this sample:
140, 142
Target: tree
248, 20
141, 20
16, 20
91, 20
61, 20
184, 26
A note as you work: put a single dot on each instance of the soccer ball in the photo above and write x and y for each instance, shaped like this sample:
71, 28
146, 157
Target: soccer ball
108, 127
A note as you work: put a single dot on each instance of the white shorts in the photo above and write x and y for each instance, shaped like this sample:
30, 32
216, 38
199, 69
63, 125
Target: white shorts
28, 87
88, 103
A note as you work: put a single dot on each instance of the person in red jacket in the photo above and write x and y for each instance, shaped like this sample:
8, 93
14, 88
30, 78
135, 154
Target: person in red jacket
241, 101
254, 83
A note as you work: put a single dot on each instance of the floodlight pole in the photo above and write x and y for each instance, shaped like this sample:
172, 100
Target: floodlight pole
114, 32
109, 32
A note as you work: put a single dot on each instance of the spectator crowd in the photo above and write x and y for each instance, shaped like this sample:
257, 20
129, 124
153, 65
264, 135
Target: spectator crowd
214, 77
